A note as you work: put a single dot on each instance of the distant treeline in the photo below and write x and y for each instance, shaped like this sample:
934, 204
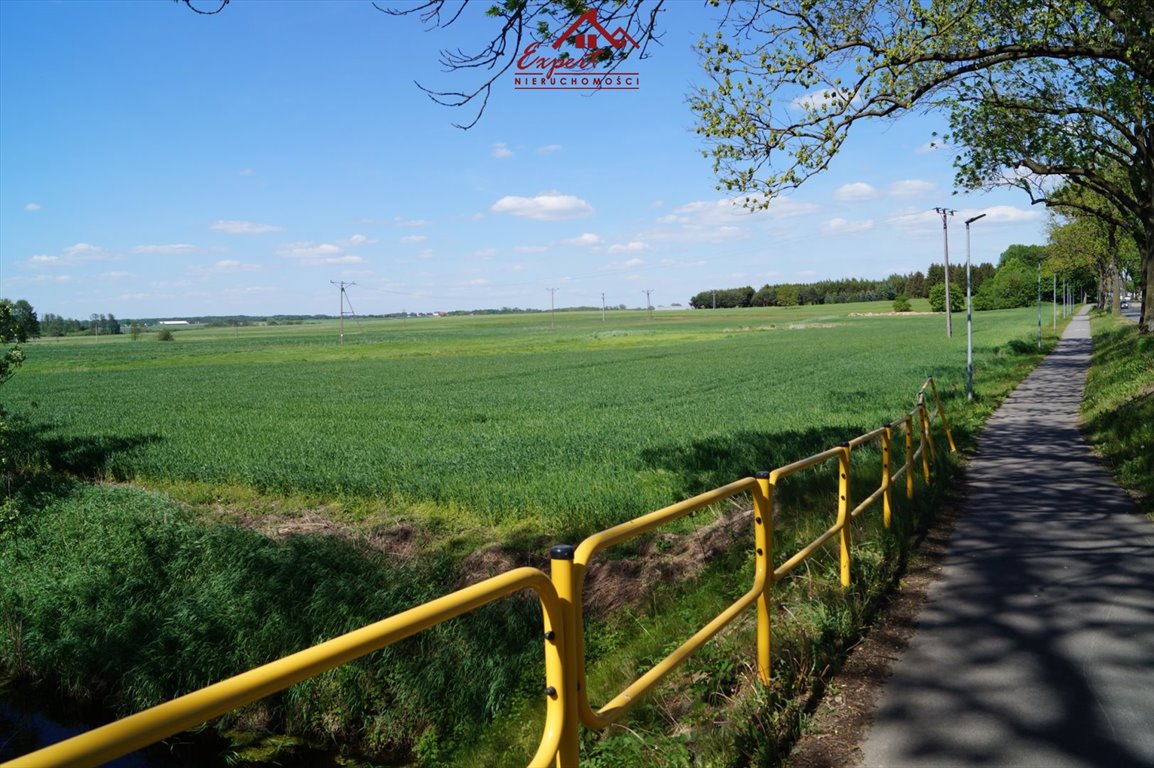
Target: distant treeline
99, 324
913, 285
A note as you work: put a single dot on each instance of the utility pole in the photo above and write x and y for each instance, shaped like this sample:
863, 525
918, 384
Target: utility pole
1039, 305
969, 315
946, 213
552, 308
603, 306
648, 303
343, 285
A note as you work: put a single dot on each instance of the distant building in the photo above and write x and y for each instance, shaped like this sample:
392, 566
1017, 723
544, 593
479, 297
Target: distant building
173, 322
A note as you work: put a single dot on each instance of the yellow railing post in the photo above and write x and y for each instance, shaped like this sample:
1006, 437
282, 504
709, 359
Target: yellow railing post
927, 440
843, 507
909, 422
562, 573
887, 495
942, 413
763, 543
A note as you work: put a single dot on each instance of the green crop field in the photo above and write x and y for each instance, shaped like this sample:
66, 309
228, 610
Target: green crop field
489, 419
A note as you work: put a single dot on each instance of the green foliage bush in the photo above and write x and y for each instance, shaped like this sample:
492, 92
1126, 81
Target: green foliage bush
123, 599
902, 304
1013, 285
938, 298
164, 335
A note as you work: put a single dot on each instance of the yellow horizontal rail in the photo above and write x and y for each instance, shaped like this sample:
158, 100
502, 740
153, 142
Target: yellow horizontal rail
150, 726
570, 581
560, 594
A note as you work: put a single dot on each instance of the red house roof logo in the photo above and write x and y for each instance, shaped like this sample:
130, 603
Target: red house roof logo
593, 70
590, 40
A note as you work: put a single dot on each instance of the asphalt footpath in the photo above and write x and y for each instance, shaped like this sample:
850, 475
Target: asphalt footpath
1035, 648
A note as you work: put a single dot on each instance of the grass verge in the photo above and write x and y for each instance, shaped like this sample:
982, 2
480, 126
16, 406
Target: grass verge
1118, 405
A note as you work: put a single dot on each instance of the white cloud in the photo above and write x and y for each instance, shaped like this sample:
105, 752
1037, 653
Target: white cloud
116, 275
78, 253
356, 240
855, 192
165, 249
32, 207
725, 219
251, 290
229, 266
308, 250
1004, 214
411, 222
633, 246
548, 149
501, 151
915, 221
587, 239
485, 253
244, 172
414, 239
314, 254
823, 100
550, 206
910, 188
627, 264
531, 248
80, 249
243, 227
839, 226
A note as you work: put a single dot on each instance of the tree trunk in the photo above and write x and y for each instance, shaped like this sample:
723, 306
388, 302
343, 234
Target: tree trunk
1115, 280
1146, 321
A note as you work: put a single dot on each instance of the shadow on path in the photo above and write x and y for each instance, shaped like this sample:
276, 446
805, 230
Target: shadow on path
1036, 646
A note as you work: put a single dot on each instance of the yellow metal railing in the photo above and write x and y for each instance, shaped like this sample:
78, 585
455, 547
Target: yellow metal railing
560, 594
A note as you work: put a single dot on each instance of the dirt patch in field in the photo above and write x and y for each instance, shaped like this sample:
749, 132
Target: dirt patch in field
611, 585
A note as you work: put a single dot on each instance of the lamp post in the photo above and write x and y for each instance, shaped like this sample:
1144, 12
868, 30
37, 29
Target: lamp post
946, 213
969, 316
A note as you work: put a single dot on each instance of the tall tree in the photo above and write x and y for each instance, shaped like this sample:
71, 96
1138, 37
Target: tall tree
12, 331
1036, 90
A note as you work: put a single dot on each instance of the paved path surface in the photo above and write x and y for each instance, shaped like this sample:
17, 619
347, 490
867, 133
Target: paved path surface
1036, 645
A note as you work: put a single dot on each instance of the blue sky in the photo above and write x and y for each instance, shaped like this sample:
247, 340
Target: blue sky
154, 162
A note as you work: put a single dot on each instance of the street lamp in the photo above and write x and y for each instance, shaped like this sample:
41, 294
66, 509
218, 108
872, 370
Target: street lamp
969, 316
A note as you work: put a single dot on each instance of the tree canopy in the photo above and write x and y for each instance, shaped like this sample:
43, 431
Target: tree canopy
1040, 95
17, 324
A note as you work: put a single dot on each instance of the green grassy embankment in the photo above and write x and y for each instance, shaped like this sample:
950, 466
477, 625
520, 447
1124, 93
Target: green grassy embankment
285, 490
1118, 405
